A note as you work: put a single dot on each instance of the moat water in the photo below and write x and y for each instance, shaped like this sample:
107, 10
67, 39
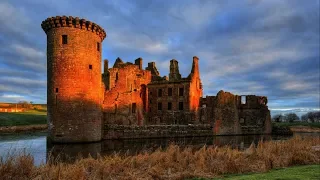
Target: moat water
36, 145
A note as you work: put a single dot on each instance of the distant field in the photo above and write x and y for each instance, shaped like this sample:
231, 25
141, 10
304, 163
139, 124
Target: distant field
287, 124
31, 117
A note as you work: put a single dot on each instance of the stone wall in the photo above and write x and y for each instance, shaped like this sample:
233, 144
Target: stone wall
126, 100
175, 100
229, 115
225, 113
165, 114
207, 109
156, 131
254, 115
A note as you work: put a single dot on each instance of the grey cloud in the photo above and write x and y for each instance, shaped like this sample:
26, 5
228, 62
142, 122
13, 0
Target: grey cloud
239, 43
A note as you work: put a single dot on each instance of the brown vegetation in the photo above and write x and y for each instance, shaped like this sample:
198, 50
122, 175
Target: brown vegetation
26, 128
305, 129
172, 163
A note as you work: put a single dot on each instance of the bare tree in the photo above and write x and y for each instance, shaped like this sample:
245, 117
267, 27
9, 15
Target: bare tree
311, 117
304, 117
277, 118
24, 104
290, 117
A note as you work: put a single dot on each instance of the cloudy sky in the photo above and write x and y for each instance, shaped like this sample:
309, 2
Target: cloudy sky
262, 47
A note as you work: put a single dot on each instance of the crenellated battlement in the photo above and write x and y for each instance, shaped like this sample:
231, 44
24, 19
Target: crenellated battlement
73, 22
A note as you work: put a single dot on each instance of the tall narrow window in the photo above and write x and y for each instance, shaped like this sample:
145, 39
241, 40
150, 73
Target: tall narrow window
159, 106
169, 91
181, 91
134, 107
243, 99
159, 92
57, 90
117, 77
180, 105
98, 46
64, 39
169, 106
242, 121
90, 66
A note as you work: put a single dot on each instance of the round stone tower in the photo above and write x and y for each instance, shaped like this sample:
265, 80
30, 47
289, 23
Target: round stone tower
74, 90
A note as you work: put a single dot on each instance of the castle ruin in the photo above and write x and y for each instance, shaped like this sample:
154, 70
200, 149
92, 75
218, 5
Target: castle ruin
127, 101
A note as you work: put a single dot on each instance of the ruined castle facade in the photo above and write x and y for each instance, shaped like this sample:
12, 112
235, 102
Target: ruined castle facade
83, 103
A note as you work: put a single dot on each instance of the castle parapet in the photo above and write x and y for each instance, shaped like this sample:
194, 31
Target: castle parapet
72, 22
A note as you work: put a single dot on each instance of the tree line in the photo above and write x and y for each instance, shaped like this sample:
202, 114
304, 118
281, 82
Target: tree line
311, 117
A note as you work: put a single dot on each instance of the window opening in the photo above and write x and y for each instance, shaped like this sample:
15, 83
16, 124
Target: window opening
159, 92
64, 39
159, 106
180, 91
134, 107
180, 105
169, 91
169, 106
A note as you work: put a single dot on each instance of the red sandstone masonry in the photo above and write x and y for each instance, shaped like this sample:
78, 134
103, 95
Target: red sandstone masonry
74, 79
125, 101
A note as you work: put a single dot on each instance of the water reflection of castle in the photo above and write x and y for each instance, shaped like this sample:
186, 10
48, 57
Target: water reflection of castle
69, 152
85, 105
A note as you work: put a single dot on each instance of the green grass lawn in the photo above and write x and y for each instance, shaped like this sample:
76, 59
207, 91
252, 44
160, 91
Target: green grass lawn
287, 124
308, 172
291, 173
31, 117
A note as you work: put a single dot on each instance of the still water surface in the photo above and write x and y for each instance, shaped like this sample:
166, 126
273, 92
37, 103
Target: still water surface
36, 145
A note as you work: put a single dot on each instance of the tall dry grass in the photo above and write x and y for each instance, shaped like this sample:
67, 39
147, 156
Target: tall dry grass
172, 163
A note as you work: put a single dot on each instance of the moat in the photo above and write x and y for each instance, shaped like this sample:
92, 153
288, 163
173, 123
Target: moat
36, 144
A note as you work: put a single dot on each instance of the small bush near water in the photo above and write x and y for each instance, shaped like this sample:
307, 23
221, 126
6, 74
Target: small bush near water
172, 163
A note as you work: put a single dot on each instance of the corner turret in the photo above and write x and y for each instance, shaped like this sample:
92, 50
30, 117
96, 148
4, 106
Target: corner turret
174, 71
74, 81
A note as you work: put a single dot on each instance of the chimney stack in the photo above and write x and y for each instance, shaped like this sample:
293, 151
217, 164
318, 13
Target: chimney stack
138, 62
174, 70
195, 65
105, 66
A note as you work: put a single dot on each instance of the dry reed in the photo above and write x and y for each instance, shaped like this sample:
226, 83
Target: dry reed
171, 163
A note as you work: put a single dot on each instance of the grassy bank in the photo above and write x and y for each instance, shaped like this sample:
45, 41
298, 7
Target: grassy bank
172, 163
287, 124
298, 126
33, 117
306, 172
